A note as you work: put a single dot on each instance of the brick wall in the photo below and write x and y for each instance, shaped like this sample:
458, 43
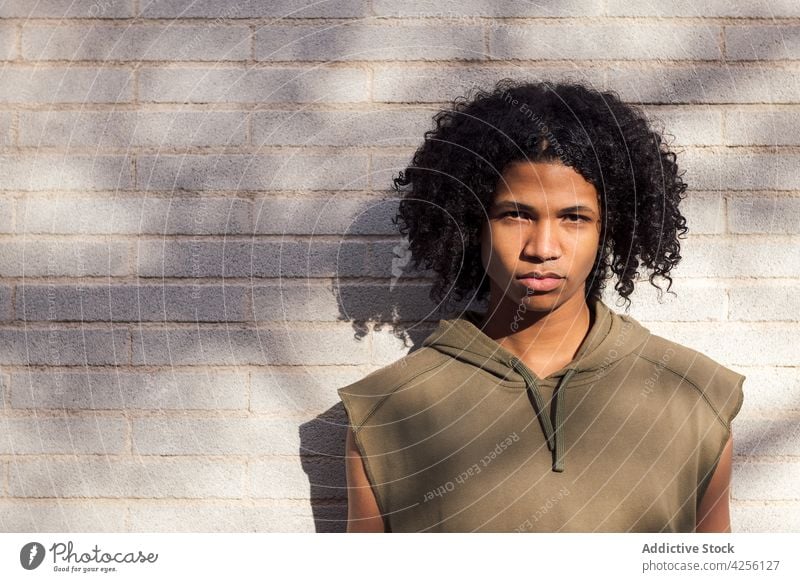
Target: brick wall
194, 211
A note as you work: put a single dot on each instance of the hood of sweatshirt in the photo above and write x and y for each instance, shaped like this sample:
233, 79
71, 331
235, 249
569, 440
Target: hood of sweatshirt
611, 337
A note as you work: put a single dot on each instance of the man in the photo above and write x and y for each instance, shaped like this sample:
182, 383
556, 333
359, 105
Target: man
531, 194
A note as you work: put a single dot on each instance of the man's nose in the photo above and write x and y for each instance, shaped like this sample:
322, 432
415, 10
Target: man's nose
542, 241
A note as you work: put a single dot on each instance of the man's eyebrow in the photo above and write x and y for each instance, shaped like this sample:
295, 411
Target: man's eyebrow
512, 204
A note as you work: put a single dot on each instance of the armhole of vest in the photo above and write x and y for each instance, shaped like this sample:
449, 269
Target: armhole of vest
356, 429
368, 470
701, 490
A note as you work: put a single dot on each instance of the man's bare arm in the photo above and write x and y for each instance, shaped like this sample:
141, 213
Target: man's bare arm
713, 514
363, 514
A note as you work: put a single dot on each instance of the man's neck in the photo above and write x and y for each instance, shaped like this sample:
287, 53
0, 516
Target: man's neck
545, 341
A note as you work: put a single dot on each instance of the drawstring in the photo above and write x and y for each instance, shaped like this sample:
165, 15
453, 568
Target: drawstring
558, 464
554, 437
530, 384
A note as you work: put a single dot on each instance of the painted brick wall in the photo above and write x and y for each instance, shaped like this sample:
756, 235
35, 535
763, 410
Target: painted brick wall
195, 220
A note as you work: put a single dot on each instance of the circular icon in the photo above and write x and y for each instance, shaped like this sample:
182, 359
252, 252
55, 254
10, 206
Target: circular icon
31, 555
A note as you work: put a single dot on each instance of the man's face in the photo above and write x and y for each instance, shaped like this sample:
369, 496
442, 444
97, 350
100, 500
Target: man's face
545, 217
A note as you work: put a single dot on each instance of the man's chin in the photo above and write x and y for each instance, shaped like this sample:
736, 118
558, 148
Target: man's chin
541, 300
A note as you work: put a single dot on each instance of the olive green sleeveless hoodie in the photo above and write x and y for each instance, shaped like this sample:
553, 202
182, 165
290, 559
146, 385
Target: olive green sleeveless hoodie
461, 436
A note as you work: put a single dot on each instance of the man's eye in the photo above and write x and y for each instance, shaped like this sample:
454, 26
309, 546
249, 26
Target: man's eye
577, 217
570, 217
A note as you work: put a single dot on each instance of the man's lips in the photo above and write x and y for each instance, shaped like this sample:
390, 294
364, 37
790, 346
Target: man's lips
541, 284
540, 275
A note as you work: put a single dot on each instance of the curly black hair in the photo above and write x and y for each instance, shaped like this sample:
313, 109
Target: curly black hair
454, 174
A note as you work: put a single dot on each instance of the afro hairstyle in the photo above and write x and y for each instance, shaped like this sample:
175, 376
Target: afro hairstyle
449, 186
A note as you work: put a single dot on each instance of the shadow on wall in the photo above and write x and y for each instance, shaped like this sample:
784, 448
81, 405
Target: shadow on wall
390, 314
